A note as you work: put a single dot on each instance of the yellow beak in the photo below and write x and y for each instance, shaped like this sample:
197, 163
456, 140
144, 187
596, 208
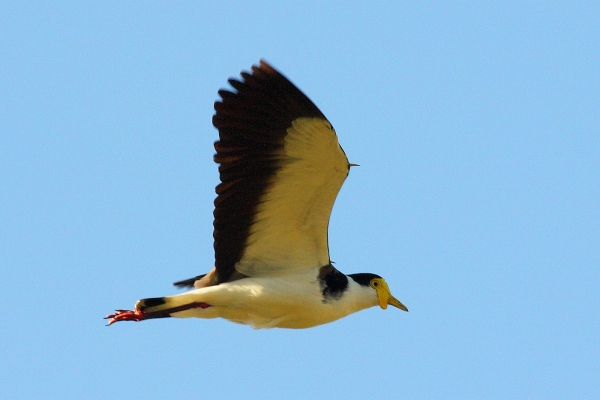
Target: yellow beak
385, 297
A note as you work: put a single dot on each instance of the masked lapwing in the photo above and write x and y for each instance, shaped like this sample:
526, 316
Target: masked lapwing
281, 168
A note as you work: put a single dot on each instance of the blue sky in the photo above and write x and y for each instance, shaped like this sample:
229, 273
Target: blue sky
477, 128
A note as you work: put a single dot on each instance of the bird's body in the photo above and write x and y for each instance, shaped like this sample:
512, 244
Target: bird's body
281, 168
293, 300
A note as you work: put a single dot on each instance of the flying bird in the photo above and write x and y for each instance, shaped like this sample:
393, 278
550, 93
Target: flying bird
281, 168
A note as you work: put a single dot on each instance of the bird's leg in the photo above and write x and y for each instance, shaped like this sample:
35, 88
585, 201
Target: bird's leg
140, 315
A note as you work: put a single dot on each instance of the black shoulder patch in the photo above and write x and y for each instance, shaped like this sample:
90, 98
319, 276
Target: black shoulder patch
333, 283
364, 278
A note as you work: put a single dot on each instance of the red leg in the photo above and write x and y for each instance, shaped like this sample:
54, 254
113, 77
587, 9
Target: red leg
137, 315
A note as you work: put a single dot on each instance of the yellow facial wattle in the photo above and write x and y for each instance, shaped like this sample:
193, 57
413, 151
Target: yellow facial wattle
384, 295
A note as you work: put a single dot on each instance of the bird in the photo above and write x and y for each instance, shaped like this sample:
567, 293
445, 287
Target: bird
281, 168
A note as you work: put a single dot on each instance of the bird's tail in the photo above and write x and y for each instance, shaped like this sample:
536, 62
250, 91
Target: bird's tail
165, 306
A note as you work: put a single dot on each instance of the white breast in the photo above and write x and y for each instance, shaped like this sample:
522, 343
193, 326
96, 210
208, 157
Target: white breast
291, 301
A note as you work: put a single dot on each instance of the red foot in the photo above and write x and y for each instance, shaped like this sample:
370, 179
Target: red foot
125, 315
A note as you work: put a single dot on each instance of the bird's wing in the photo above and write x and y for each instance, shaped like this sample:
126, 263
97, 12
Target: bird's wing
281, 168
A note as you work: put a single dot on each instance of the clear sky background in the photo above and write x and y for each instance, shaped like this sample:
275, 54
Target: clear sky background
477, 128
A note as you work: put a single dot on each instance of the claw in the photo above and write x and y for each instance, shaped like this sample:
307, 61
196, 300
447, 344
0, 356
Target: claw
124, 315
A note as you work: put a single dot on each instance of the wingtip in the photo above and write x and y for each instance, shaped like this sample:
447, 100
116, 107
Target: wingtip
265, 66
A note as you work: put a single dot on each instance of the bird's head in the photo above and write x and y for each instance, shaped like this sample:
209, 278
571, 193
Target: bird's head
381, 288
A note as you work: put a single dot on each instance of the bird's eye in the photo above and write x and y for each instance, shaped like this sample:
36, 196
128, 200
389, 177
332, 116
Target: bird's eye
375, 283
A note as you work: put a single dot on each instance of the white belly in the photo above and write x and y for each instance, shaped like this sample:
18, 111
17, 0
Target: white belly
291, 301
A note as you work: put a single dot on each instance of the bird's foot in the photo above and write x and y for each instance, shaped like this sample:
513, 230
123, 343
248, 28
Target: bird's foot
125, 315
